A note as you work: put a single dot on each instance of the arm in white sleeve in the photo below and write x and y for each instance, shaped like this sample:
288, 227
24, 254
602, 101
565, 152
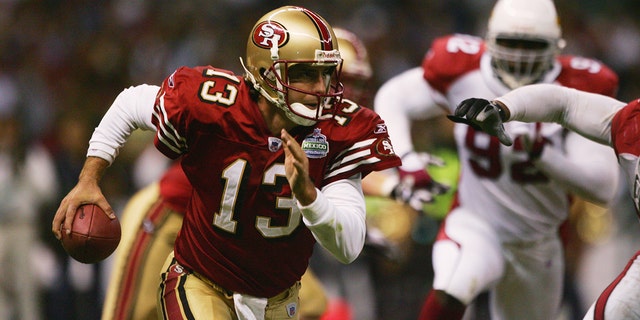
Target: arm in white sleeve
131, 110
586, 113
337, 218
403, 98
585, 168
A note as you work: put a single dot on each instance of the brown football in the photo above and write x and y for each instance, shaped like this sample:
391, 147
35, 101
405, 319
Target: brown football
93, 235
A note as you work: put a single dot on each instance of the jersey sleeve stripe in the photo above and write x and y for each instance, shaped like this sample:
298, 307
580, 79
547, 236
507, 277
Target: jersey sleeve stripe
346, 168
167, 134
357, 155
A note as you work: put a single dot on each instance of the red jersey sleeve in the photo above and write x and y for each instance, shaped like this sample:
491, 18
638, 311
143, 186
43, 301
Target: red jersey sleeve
451, 57
182, 105
587, 75
362, 142
625, 129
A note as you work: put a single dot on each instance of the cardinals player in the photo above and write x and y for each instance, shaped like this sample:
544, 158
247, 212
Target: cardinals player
501, 234
597, 117
275, 161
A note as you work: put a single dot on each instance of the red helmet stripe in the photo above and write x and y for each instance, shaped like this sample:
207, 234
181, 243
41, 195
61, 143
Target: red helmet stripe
323, 30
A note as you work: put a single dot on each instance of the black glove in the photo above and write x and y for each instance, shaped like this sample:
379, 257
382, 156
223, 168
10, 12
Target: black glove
483, 115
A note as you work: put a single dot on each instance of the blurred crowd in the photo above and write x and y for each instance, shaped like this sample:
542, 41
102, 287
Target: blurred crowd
63, 62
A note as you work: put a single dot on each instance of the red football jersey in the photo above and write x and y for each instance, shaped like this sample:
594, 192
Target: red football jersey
175, 189
242, 228
625, 129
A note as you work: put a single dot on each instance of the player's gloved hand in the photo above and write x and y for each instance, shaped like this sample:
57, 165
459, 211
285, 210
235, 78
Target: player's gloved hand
416, 187
484, 115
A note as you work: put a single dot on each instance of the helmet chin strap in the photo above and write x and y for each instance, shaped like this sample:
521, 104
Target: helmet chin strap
302, 109
280, 103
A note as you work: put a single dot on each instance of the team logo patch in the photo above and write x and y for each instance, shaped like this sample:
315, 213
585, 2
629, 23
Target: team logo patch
270, 33
292, 308
274, 144
315, 145
178, 269
380, 128
384, 147
171, 81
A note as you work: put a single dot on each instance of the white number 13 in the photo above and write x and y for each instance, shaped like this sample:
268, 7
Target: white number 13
233, 176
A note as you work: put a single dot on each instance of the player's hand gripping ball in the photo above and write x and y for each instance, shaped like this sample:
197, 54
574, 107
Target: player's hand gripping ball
93, 235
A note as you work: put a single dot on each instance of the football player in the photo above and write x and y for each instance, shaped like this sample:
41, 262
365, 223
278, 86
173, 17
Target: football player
597, 117
275, 160
501, 234
153, 216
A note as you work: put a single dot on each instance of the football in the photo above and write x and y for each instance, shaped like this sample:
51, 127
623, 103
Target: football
93, 235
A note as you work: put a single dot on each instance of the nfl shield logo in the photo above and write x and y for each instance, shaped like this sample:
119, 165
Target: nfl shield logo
274, 144
291, 309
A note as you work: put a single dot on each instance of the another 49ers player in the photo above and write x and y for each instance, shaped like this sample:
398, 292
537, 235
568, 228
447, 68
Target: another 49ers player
275, 161
501, 235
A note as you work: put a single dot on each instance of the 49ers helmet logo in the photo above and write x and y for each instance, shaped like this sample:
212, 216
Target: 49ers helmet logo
268, 33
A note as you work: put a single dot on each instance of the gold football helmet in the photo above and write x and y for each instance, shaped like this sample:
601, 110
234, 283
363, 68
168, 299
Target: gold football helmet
282, 38
356, 68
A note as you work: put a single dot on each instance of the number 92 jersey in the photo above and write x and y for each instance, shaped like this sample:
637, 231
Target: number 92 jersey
243, 229
502, 183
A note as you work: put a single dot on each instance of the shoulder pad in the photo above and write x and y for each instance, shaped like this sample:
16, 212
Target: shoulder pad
451, 57
587, 75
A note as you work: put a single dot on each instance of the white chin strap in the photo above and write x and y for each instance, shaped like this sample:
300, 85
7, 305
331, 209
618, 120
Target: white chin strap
300, 108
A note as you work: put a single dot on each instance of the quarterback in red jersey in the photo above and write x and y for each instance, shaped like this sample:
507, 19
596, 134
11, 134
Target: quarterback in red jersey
501, 235
597, 117
275, 160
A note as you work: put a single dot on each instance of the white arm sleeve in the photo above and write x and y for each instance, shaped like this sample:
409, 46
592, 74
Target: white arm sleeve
585, 168
131, 110
337, 218
403, 98
586, 113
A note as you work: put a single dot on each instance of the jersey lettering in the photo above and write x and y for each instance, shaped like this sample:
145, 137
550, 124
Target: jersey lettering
468, 45
233, 176
590, 65
485, 160
226, 97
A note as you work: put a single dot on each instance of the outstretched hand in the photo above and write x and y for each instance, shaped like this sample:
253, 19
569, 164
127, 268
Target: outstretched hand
297, 169
484, 115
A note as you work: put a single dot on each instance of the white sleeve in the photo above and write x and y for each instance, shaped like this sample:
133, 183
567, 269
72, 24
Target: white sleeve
403, 98
584, 167
131, 110
337, 218
586, 113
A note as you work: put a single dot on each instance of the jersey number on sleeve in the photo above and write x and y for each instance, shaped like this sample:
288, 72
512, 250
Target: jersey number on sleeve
225, 97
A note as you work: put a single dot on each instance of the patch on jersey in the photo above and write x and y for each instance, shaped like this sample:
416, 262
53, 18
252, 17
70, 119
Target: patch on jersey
178, 269
315, 145
171, 81
292, 308
274, 144
384, 147
380, 128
